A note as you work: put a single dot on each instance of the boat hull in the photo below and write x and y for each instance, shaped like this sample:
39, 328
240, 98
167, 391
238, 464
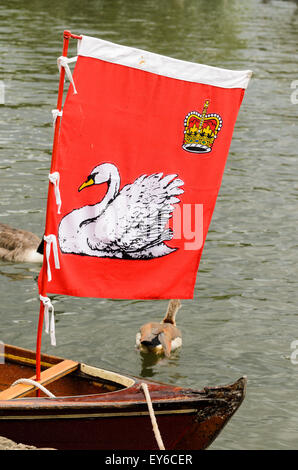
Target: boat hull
119, 420
121, 433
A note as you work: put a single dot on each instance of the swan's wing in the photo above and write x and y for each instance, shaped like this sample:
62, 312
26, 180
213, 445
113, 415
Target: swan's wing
137, 217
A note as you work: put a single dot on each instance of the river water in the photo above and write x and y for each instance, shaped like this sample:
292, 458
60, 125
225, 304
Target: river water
243, 317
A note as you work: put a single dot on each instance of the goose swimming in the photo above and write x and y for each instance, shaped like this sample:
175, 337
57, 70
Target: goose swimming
19, 245
161, 337
130, 224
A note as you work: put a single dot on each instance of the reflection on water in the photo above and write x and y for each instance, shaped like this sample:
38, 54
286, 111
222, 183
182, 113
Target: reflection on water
244, 314
149, 360
15, 273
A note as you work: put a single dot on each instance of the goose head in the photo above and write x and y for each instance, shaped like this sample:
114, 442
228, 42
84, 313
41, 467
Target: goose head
103, 173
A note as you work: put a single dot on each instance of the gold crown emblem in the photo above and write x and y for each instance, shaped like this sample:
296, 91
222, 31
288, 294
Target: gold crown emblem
200, 130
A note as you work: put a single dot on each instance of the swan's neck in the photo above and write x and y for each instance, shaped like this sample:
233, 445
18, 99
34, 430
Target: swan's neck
113, 188
93, 212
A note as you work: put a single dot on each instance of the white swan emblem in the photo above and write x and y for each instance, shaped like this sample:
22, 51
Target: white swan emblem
130, 224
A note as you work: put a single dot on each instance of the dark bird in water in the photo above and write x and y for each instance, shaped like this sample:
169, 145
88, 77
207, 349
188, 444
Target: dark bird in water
19, 245
162, 337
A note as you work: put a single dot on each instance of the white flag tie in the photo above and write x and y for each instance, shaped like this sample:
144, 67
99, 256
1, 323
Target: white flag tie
51, 240
55, 114
49, 321
63, 62
55, 180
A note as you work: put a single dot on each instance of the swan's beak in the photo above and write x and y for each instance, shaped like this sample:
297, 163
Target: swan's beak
88, 182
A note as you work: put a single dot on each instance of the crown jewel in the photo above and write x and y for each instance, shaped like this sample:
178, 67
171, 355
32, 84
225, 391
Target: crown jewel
200, 130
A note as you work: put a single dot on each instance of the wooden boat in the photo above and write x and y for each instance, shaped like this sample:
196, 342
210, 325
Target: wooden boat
99, 409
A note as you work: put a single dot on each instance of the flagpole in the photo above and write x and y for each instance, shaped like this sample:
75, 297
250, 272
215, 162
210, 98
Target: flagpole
44, 278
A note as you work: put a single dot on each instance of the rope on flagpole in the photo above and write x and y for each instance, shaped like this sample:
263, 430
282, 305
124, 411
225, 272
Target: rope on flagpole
152, 417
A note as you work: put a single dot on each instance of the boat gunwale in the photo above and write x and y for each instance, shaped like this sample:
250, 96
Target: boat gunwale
184, 396
47, 402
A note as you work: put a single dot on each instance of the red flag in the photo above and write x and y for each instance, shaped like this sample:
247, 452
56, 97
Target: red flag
142, 149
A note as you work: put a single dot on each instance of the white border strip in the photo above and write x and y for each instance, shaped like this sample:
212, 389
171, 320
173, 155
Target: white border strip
162, 65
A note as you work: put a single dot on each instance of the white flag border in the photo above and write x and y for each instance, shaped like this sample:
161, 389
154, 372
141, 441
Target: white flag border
162, 65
